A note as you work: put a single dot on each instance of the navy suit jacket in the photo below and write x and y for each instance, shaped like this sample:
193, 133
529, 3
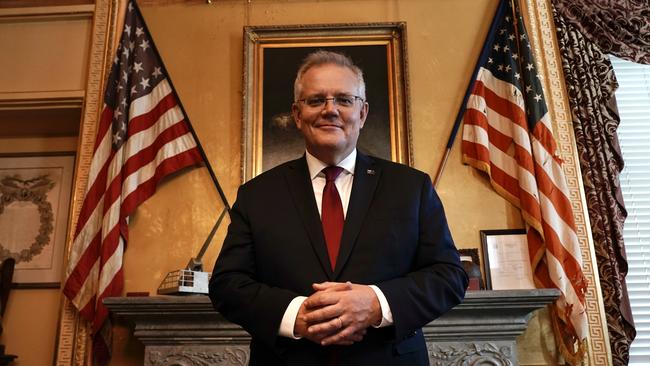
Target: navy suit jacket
395, 236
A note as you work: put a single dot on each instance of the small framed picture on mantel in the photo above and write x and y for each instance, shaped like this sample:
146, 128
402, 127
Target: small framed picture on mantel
507, 263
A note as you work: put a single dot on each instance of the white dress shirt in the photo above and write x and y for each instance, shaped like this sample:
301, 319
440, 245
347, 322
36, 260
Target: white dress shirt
344, 186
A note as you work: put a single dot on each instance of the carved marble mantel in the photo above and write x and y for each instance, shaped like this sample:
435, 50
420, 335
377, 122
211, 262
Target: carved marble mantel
187, 331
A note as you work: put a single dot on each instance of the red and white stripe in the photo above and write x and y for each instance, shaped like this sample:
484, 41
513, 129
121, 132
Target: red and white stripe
158, 143
523, 167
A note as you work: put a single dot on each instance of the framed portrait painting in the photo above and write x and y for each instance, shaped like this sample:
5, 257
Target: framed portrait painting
34, 212
272, 56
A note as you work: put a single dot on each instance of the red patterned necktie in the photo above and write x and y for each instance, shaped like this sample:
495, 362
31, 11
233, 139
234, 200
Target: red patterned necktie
332, 213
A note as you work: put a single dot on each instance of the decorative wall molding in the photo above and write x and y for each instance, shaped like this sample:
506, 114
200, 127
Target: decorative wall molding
49, 13
545, 47
72, 99
74, 333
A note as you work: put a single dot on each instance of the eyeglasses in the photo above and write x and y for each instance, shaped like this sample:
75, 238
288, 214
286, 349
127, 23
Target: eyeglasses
343, 100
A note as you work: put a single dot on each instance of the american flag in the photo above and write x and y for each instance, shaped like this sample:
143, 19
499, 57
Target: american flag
507, 134
143, 135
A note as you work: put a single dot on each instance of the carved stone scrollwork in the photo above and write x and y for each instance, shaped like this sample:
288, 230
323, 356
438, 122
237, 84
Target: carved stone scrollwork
227, 356
470, 354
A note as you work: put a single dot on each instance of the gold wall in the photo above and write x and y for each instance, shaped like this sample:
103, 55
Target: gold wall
201, 45
207, 73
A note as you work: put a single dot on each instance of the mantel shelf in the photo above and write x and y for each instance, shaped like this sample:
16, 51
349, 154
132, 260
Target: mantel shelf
175, 328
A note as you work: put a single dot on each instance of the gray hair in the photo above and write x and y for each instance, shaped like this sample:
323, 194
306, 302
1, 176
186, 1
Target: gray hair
322, 57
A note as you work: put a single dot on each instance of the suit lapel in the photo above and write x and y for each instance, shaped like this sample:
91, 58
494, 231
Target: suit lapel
366, 177
302, 192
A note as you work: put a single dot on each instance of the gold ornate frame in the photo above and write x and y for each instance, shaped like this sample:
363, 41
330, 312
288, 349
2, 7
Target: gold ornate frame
257, 40
539, 18
73, 334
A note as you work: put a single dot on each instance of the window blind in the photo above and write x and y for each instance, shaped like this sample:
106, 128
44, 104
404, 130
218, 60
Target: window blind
633, 98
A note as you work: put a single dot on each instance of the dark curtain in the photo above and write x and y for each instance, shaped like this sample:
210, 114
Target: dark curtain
591, 83
618, 27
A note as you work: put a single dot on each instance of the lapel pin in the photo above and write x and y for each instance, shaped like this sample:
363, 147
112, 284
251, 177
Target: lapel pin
370, 171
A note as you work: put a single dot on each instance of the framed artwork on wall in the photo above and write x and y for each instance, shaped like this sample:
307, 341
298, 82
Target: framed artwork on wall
506, 259
35, 193
272, 55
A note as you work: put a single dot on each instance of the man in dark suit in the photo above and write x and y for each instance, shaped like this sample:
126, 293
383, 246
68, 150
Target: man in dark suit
336, 258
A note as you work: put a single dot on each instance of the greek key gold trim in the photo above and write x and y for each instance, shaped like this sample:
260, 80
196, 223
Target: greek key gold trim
543, 39
73, 333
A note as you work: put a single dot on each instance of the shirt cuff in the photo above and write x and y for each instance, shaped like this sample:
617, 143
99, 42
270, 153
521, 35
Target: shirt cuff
289, 318
386, 314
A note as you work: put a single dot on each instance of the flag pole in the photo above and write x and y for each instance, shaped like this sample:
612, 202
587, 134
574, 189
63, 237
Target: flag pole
187, 118
459, 117
196, 263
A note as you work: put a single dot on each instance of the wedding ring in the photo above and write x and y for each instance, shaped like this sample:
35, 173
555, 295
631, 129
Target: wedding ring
340, 322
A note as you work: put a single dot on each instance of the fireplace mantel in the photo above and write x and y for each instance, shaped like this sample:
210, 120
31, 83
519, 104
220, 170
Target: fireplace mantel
186, 330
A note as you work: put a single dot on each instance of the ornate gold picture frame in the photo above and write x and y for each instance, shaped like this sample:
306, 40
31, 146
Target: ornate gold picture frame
272, 55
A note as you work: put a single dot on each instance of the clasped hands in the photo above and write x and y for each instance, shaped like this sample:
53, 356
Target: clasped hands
338, 313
